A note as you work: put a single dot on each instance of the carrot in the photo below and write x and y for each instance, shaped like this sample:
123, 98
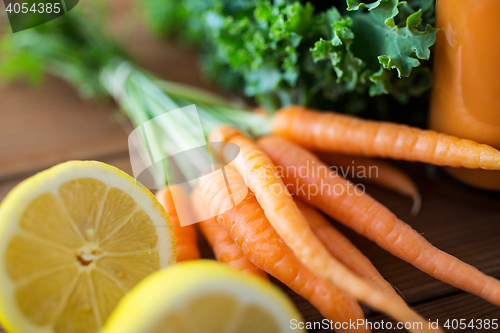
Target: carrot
225, 249
342, 249
262, 177
385, 175
185, 237
368, 217
248, 226
334, 132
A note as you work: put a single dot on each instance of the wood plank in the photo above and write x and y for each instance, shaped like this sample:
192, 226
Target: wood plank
451, 309
44, 126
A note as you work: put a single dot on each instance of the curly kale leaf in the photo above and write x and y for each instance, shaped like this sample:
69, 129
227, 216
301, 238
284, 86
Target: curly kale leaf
337, 49
396, 45
286, 51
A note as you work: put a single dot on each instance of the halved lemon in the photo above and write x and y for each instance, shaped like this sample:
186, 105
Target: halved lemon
203, 296
73, 240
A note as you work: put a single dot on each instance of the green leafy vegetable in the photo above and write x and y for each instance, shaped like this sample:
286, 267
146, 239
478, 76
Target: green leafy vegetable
285, 51
399, 46
67, 47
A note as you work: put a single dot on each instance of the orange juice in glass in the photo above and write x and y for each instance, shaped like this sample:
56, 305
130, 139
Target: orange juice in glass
466, 92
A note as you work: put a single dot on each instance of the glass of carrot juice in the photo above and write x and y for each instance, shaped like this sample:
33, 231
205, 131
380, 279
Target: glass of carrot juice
466, 93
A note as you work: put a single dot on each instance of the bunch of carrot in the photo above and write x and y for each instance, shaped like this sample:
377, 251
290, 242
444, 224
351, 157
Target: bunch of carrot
268, 230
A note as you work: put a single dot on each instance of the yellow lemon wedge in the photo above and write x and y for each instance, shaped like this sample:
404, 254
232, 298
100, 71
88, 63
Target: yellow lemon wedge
73, 240
203, 296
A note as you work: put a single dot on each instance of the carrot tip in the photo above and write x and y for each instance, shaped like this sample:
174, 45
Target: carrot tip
417, 204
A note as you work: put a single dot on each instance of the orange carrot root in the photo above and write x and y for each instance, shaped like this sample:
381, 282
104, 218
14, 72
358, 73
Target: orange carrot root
248, 226
225, 249
328, 131
368, 217
262, 177
185, 237
345, 251
384, 175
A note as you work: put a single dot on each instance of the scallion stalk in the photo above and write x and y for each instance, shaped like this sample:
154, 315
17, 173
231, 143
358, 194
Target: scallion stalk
76, 49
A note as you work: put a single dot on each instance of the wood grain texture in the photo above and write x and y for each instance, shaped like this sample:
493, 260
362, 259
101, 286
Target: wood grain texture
459, 306
47, 125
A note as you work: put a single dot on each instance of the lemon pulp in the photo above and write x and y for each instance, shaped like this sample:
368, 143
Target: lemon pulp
76, 251
203, 296
218, 313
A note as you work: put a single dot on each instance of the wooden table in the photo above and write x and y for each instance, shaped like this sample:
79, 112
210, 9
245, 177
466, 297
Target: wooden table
40, 127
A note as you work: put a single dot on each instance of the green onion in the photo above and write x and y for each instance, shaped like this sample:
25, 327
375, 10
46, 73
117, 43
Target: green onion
75, 48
